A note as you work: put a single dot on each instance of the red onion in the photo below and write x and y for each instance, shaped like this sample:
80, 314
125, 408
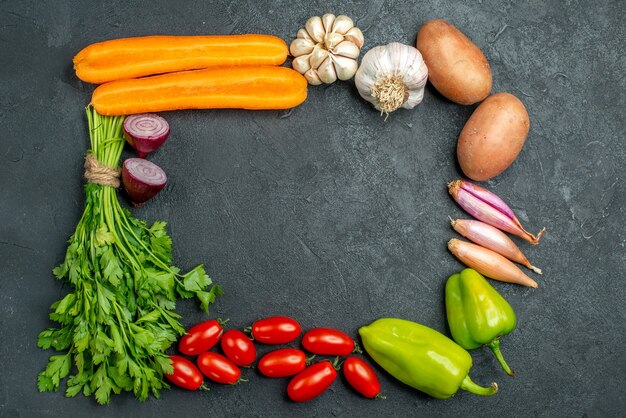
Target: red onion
489, 208
488, 263
492, 238
146, 132
142, 180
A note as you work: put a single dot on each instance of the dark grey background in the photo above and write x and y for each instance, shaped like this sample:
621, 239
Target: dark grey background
329, 214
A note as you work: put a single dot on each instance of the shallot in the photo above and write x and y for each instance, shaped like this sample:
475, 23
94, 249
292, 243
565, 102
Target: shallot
491, 238
145, 132
142, 180
489, 208
489, 263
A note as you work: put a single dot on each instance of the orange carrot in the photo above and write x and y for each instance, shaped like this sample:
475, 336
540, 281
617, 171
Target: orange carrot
214, 88
124, 58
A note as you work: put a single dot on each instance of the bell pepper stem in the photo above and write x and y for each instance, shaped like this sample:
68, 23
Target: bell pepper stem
468, 385
495, 347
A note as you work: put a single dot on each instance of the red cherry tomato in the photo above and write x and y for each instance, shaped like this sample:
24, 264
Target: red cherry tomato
328, 342
361, 377
200, 338
238, 348
185, 374
282, 363
218, 368
276, 330
311, 382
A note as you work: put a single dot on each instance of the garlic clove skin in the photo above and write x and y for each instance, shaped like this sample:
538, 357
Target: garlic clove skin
418, 81
303, 34
301, 64
345, 67
342, 24
327, 20
347, 49
415, 98
317, 57
312, 77
355, 36
331, 40
392, 57
301, 46
326, 71
315, 28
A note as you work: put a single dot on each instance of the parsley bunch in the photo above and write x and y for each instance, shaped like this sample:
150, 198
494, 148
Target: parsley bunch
117, 322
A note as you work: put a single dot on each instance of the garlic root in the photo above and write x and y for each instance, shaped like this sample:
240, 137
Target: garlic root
390, 93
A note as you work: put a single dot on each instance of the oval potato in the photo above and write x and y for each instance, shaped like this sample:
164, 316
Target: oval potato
456, 67
492, 137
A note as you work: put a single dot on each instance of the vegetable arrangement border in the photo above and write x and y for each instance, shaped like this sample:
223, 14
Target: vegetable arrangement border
118, 321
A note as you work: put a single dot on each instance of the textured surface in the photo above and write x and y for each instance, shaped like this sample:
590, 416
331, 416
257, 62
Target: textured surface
328, 213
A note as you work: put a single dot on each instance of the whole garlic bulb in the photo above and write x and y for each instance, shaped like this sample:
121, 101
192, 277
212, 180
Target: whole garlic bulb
326, 49
392, 76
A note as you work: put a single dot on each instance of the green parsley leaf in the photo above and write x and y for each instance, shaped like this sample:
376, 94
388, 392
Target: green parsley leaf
196, 280
58, 367
162, 247
206, 298
103, 236
150, 316
59, 339
72, 391
165, 364
44, 383
111, 268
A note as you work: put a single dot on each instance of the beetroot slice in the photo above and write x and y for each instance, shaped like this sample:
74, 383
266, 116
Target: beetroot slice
142, 180
146, 132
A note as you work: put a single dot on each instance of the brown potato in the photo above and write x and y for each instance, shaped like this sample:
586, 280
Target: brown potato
492, 137
456, 67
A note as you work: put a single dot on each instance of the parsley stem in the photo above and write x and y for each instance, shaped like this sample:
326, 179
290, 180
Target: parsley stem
121, 323
157, 261
118, 218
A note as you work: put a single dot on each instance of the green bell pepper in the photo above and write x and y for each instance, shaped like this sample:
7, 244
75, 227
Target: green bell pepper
477, 314
421, 357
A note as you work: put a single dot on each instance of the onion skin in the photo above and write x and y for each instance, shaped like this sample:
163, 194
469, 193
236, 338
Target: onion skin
489, 263
493, 239
489, 208
145, 132
142, 180
485, 195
